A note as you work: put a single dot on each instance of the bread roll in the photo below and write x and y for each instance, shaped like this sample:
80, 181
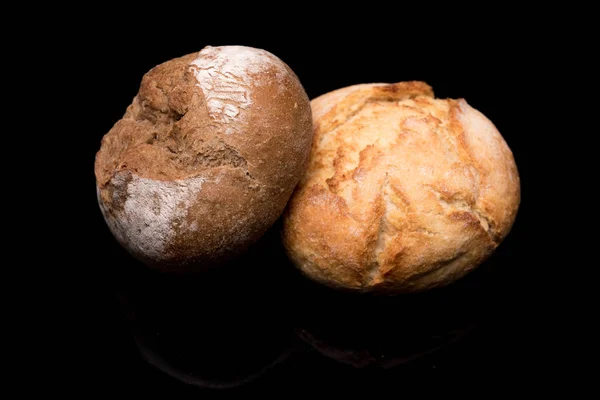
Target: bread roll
205, 158
403, 192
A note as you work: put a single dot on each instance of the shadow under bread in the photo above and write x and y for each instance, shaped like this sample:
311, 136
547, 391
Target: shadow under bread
220, 328
228, 326
366, 330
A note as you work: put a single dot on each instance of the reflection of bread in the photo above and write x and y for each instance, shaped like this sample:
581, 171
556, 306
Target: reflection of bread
403, 192
205, 158
379, 352
191, 378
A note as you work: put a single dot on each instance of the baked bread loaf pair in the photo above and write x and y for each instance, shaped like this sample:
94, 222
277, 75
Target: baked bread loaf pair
402, 192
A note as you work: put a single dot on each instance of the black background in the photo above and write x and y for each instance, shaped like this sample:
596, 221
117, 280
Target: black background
258, 326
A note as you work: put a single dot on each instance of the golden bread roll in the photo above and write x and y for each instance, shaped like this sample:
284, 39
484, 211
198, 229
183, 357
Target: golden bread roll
404, 192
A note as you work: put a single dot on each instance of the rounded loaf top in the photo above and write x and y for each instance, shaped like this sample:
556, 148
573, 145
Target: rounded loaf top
205, 158
403, 192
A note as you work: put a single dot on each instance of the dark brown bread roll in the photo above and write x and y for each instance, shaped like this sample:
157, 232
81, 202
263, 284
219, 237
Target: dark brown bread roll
205, 158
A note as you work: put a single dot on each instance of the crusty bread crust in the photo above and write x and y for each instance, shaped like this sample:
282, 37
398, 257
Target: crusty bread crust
205, 158
403, 192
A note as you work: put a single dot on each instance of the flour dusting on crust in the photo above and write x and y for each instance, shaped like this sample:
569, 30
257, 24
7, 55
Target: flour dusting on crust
224, 75
151, 212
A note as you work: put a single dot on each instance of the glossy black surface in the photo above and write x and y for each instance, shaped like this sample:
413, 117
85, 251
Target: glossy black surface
257, 324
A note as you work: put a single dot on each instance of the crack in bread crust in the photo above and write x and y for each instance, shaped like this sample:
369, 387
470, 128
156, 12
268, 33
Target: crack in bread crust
457, 204
356, 101
163, 139
374, 272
